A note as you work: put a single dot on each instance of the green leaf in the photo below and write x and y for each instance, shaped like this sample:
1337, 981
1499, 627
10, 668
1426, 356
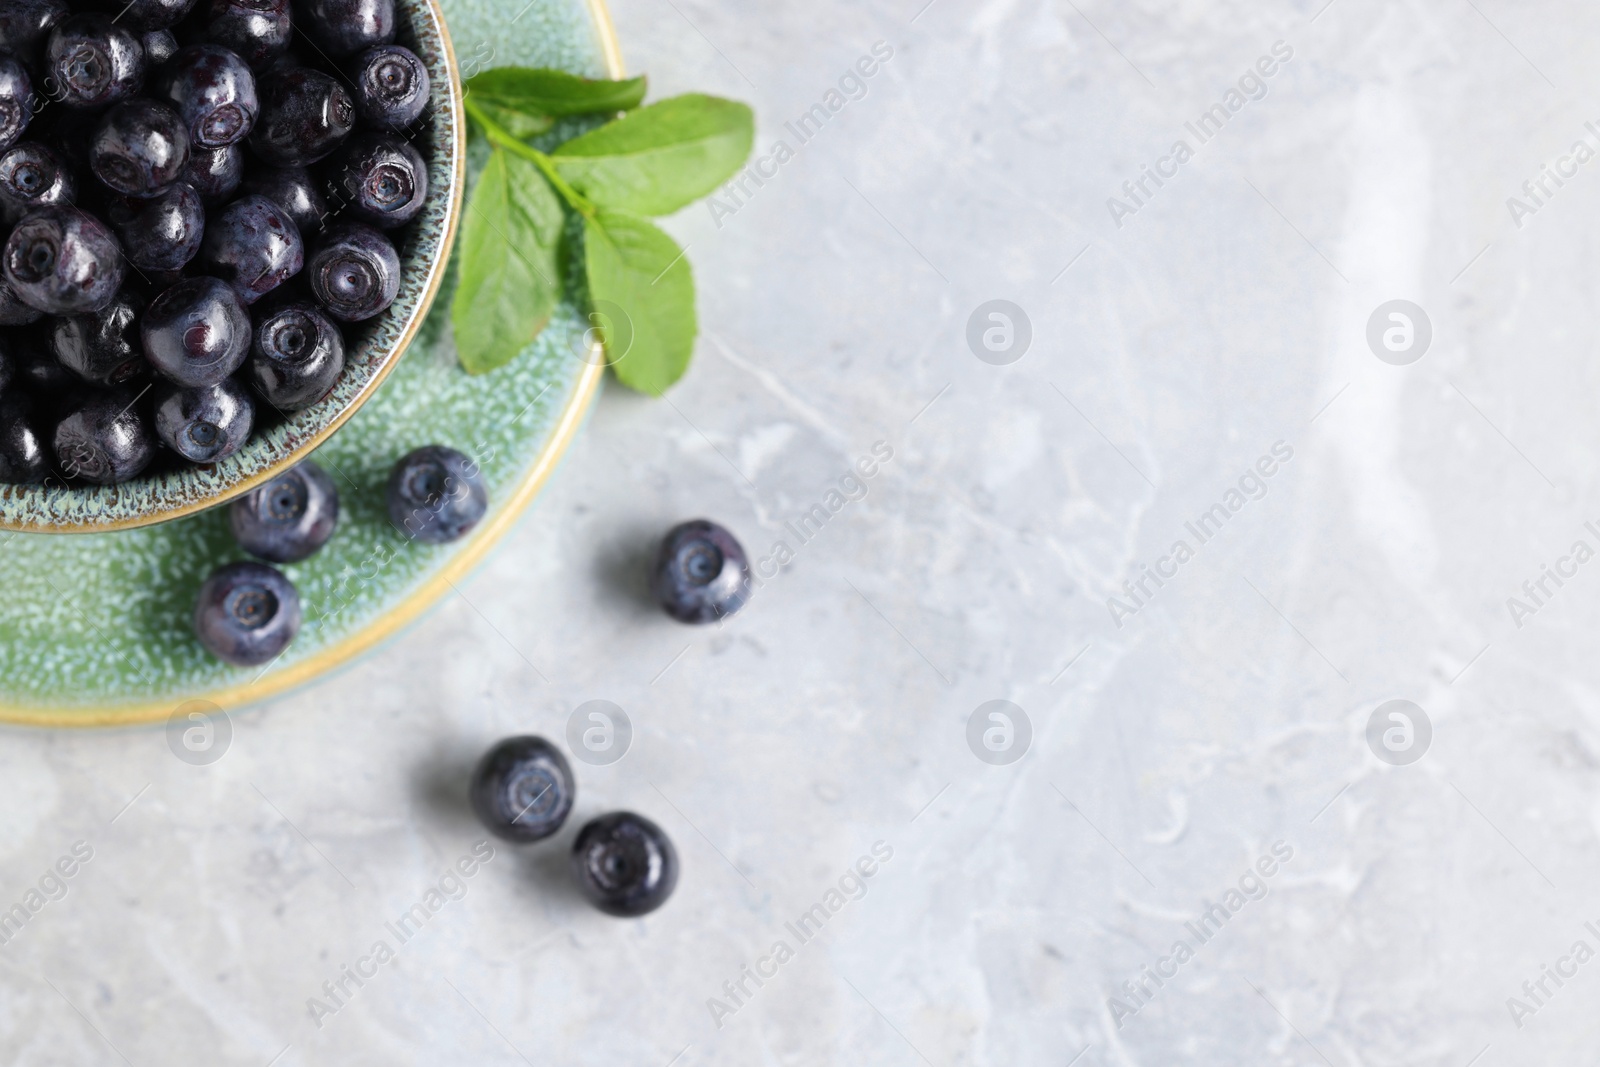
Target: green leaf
642, 295
509, 276
660, 158
539, 92
518, 124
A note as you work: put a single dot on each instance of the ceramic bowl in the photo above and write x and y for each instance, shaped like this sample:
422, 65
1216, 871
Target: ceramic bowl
97, 629
373, 347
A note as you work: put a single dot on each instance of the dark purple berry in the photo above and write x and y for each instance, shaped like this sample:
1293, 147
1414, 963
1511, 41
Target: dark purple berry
16, 101
294, 190
257, 30
102, 347
25, 24
246, 613
289, 518
354, 272
305, 114
340, 27
297, 356
139, 148
93, 61
31, 177
149, 15
522, 789
197, 332
379, 178
253, 245
205, 424
624, 864
215, 93
22, 455
159, 47
392, 86
701, 573
215, 173
63, 261
435, 494
162, 233
106, 440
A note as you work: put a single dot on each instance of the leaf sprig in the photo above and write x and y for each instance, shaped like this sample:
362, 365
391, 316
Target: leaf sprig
651, 161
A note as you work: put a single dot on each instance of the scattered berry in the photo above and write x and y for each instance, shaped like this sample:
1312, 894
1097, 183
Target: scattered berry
522, 789
289, 518
435, 495
701, 573
625, 864
297, 356
247, 613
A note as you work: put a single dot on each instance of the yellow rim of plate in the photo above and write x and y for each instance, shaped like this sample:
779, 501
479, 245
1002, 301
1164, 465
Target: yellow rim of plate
425, 595
435, 278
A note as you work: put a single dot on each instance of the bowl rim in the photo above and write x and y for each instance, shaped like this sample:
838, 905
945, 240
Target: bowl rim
435, 278
232, 698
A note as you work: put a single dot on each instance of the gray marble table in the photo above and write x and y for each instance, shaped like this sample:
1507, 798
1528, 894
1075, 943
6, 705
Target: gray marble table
1368, 508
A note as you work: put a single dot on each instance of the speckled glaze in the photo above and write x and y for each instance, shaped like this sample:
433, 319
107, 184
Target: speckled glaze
380, 343
94, 629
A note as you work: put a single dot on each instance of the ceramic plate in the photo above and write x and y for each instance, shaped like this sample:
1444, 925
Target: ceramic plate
95, 628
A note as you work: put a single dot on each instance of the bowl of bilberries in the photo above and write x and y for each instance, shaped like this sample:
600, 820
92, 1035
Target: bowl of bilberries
221, 223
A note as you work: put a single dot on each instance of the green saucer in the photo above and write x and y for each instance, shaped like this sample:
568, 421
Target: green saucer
95, 628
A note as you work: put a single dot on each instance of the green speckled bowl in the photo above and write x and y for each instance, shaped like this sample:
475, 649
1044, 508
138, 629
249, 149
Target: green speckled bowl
95, 629
375, 345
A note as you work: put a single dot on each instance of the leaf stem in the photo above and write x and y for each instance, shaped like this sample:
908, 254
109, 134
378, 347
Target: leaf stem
498, 135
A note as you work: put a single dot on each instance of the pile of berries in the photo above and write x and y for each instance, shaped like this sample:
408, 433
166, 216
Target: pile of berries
197, 197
